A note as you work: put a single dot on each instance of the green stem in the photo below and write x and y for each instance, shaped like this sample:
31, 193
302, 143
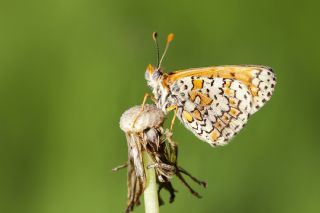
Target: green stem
151, 201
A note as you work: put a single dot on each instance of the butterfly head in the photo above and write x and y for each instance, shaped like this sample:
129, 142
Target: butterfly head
154, 75
154, 78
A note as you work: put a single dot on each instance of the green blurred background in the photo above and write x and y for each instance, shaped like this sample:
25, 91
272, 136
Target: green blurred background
68, 69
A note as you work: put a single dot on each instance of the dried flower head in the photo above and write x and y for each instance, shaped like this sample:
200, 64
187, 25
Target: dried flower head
147, 135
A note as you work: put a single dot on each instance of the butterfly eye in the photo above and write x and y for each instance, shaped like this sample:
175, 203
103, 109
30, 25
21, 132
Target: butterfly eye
156, 74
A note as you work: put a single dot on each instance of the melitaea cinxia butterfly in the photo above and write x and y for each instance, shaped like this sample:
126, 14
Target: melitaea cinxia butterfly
212, 102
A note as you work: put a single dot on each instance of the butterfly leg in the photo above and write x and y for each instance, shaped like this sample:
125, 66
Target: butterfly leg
174, 118
141, 110
175, 108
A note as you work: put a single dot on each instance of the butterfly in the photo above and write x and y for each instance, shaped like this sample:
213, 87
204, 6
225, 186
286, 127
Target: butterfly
214, 102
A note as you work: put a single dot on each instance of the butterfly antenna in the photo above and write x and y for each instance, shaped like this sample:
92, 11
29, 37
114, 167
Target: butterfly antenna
155, 39
169, 40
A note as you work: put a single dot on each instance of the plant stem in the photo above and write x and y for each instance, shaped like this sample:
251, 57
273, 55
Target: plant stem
151, 201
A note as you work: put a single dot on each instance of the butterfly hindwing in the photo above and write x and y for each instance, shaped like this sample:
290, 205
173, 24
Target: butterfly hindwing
214, 109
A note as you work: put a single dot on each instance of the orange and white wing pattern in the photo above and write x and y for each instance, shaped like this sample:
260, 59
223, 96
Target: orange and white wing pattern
215, 102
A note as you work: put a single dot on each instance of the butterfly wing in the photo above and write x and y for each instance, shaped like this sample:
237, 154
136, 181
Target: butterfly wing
215, 102
260, 80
